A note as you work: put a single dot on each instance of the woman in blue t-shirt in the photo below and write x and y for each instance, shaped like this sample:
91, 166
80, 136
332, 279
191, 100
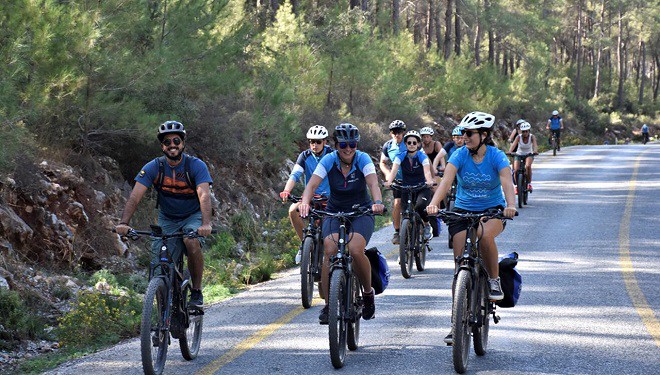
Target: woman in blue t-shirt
350, 172
484, 182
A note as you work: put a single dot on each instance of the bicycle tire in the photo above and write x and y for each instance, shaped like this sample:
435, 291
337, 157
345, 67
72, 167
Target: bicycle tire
191, 336
520, 180
337, 330
420, 256
405, 248
154, 339
480, 330
353, 339
306, 276
460, 321
554, 146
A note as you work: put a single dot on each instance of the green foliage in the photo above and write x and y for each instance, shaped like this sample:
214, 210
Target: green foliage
100, 319
15, 322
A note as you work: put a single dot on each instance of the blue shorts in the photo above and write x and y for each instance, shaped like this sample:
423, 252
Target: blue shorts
363, 225
169, 225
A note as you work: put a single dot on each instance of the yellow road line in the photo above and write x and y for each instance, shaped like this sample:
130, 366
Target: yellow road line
637, 297
251, 341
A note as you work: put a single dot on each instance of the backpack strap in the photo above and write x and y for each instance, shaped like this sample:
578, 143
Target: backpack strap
159, 179
190, 179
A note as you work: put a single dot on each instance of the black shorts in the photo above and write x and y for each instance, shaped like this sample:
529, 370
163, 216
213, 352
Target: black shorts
396, 193
459, 226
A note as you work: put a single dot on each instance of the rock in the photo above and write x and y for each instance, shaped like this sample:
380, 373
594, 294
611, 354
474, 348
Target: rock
13, 226
3, 283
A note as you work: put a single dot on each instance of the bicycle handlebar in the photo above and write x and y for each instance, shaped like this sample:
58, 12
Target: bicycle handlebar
295, 199
471, 216
525, 155
397, 185
359, 211
135, 234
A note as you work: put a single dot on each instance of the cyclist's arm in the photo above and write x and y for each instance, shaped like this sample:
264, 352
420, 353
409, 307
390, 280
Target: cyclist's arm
383, 165
512, 137
288, 187
376, 195
204, 194
441, 191
131, 205
547, 125
392, 175
313, 183
428, 175
561, 123
440, 159
507, 187
513, 145
535, 146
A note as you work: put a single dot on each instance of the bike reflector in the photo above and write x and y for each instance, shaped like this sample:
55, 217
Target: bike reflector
380, 271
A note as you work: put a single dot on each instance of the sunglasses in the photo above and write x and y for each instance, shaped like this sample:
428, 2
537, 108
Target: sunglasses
469, 133
411, 143
168, 142
347, 144
398, 131
315, 141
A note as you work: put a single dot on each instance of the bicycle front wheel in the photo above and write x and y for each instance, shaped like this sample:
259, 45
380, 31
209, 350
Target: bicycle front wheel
306, 276
191, 337
480, 330
356, 313
460, 323
521, 189
337, 330
154, 337
406, 243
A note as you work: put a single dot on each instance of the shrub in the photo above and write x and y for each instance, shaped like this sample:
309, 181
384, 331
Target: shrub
15, 323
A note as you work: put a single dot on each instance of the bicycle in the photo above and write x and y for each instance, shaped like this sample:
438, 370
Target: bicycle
165, 308
521, 178
471, 307
345, 302
412, 243
311, 260
554, 142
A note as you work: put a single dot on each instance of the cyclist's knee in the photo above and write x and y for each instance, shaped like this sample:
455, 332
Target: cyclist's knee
293, 208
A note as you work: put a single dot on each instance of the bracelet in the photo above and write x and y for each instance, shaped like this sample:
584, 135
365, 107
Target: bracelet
123, 223
378, 202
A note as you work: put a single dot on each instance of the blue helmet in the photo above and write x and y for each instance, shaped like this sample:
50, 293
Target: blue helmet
457, 131
347, 133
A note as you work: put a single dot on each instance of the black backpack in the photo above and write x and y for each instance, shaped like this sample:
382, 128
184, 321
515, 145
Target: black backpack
510, 279
190, 181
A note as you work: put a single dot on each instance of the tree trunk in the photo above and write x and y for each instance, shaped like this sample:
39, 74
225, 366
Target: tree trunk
578, 52
511, 70
642, 78
274, 6
599, 53
619, 56
447, 47
430, 22
396, 12
477, 39
457, 26
491, 35
657, 76
438, 29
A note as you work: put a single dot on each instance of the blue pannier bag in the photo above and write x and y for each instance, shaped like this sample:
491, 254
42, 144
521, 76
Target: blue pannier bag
510, 279
380, 272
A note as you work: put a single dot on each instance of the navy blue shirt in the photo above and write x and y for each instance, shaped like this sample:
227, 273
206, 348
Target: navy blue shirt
346, 191
412, 168
306, 164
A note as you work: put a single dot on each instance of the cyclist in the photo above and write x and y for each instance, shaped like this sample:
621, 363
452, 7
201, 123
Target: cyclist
184, 200
556, 125
390, 150
449, 148
349, 172
516, 131
307, 161
484, 182
524, 144
645, 133
431, 148
416, 168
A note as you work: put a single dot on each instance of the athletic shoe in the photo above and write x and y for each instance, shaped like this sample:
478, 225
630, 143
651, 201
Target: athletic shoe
395, 237
323, 316
369, 308
495, 293
196, 299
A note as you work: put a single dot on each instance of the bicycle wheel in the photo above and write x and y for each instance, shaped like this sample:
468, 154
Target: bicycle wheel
306, 276
154, 338
460, 322
521, 188
420, 255
336, 319
356, 313
191, 337
406, 243
480, 330
554, 146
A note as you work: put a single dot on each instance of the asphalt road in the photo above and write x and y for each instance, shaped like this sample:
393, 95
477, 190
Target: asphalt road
589, 246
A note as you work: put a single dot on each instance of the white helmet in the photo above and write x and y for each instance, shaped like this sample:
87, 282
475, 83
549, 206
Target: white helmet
525, 126
555, 113
317, 132
426, 130
520, 122
477, 120
412, 133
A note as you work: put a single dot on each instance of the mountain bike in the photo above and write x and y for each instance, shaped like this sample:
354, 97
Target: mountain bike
412, 243
345, 301
450, 203
311, 260
471, 307
521, 178
554, 142
165, 309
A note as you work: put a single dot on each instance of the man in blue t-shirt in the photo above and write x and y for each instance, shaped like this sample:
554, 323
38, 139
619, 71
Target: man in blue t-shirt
555, 125
645, 133
184, 200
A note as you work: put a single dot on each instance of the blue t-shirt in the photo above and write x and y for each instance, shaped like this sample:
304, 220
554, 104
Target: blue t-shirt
391, 150
306, 164
554, 123
645, 129
479, 186
412, 168
450, 147
175, 196
346, 191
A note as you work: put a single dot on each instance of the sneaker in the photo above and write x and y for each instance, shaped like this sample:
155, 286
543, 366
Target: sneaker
299, 256
428, 233
449, 339
495, 293
323, 316
529, 188
196, 299
369, 308
395, 237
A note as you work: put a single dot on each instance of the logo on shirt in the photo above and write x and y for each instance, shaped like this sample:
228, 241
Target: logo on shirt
351, 178
142, 173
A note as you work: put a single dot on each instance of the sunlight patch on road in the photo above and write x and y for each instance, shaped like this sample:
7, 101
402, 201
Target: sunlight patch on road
638, 298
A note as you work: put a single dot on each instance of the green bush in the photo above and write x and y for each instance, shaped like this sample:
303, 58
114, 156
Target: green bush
15, 321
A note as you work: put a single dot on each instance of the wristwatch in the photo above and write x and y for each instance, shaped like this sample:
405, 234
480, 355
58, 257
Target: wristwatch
378, 202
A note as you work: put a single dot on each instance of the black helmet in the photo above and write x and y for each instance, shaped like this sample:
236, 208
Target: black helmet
397, 124
347, 133
171, 127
